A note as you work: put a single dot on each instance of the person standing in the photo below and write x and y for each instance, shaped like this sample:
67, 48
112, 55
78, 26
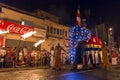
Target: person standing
14, 58
21, 61
52, 57
25, 54
57, 57
3, 53
114, 56
105, 51
9, 57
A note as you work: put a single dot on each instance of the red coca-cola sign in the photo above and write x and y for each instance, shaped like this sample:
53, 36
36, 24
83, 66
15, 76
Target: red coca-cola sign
15, 28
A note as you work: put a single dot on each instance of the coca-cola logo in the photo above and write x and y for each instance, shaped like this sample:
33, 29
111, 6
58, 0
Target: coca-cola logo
18, 29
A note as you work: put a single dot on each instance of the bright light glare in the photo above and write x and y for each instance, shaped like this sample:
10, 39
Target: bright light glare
3, 32
38, 43
110, 29
26, 35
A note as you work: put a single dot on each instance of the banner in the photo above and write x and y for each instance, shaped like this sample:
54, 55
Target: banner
78, 18
15, 28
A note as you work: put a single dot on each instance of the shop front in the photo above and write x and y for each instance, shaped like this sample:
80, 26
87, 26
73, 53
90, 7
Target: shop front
19, 41
13, 38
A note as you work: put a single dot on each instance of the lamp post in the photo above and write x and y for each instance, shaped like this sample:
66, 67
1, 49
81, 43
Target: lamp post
110, 39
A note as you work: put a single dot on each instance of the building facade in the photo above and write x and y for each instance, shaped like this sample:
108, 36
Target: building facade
47, 30
105, 33
100, 31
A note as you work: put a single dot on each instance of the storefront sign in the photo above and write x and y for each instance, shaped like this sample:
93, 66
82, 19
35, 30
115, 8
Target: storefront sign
15, 28
1, 41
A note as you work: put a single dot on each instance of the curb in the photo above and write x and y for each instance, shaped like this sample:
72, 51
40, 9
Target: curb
64, 67
22, 68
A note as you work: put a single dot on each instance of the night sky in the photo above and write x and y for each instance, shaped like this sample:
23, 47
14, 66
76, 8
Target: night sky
101, 11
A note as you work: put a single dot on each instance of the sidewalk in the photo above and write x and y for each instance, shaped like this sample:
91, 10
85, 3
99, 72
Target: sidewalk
22, 68
65, 67
116, 66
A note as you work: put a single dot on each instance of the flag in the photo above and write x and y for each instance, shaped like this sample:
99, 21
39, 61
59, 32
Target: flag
78, 18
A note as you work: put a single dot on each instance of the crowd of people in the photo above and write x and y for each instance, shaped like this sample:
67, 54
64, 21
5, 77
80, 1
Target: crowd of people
14, 57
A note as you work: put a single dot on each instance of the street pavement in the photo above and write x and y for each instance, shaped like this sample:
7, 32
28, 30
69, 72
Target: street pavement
46, 73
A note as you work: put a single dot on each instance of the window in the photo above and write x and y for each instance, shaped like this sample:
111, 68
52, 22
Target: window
65, 33
51, 29
48, 29
0, 10
58, 31
54, 30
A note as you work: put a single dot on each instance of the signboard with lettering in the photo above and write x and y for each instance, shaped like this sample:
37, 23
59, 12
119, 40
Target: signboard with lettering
15, 28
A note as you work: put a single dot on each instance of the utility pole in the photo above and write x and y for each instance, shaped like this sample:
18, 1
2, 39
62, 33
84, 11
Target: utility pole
110, 38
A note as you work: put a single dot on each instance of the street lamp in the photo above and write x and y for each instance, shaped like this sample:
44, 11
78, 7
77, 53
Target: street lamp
110, 38
110, 31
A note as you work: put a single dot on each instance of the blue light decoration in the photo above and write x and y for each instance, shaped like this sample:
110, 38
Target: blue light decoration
77, 34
